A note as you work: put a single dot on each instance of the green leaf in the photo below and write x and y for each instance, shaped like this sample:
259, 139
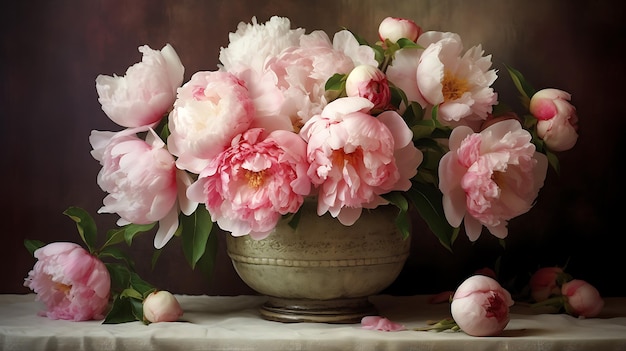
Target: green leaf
523, 86
86, 226
398, 97
379, 54
33, 245
132, 230
130, 292
553, 160
434, 112
294, 220
335, 86
116, 253
196, 230
206, 264
163, 128
337, 82
155, 256
427, 200
143, 287
422, 130
403, 220
114, 236
120, 276
122, 311
408, 43
137, 310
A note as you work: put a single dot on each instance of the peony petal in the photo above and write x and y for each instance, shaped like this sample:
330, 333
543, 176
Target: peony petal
167, 228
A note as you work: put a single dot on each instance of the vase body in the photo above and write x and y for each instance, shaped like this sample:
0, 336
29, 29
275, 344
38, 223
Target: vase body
322, 271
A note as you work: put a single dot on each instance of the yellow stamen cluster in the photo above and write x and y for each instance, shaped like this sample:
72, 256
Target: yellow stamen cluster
255, 179
341, 158
63, 288
453, 87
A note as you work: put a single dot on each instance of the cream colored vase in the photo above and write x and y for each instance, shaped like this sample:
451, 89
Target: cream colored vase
322, 271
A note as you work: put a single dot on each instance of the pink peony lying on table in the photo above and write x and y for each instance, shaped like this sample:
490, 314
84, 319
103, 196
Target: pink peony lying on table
544, 283
582, 298
72, 284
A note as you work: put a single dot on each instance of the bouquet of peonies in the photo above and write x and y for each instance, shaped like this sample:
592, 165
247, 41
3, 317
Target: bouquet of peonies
289, 115
411, 120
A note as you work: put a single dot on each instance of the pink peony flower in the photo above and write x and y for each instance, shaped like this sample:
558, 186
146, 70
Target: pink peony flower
253, 44
251, 184
582, 298
247, 56
355, 157
544, 283
302, 71
145, 94
73, 284
480, 306
210, 110
161, 306
380, 323
490, 177
441, 75
371, 83
557, 121
394, 28
142, 181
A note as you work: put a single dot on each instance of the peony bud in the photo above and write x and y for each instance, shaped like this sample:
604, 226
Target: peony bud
582, 298
544, 283
371, 83
480, 306
557, 121
161, 306
394, 28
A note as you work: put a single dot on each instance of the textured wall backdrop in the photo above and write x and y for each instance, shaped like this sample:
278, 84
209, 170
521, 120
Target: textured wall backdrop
52, 51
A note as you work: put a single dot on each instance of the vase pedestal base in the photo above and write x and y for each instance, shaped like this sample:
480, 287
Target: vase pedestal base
317, 311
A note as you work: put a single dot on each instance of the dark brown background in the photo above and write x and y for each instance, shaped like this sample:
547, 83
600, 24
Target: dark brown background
51, 52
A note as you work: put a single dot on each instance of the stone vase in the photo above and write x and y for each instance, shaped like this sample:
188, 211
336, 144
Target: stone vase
322, 271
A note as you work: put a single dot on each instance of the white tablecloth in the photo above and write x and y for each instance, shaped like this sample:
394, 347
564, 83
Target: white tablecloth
233, 323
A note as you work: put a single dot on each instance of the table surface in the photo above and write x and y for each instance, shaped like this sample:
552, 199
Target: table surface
234, 323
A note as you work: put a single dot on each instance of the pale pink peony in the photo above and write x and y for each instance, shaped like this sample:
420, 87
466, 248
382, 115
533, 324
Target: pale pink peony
371, 83
247, 56
480, 306
253, 44
146, 93
544, 283
249, 186
72, 283
557, 121
210, 110
582, 298
161, 306
355, 157
394, 28
490, 177
380, 323
141, 178
302, 71
442, 75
